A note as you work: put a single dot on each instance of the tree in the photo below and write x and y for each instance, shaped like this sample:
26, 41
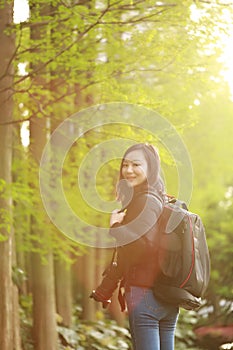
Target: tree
9, 335
43, 290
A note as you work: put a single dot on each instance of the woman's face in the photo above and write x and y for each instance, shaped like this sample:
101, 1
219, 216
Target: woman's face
134, 168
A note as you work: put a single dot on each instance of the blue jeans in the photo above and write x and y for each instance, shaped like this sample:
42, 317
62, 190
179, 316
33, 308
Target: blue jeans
152, 322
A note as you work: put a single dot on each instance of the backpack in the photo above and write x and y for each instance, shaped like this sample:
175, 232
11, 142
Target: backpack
183, 257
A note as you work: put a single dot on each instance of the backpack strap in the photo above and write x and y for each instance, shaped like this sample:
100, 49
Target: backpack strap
121, 295
179, 203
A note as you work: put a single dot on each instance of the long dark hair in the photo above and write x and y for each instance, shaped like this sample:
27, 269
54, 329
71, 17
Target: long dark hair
154, 182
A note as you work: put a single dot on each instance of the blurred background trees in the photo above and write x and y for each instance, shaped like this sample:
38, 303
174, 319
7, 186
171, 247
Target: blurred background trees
61, 57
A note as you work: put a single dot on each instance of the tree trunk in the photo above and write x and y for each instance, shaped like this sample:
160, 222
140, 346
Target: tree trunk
44, 312
7, 44
89, 285
15, 312
20, 215
63, 292
44, 315
43, 291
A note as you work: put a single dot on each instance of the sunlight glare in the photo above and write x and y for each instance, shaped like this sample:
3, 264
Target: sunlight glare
224, 40
227, 57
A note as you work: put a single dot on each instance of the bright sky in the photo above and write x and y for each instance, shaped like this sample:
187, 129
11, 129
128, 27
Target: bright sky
21, 10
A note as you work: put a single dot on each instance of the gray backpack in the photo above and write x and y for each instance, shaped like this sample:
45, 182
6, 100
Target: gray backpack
183, 257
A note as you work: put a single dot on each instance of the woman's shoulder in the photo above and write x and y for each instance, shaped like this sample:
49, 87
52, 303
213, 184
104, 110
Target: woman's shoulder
150, 196
144, 201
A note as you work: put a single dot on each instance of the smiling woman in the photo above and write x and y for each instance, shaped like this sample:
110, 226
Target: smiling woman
134, 264
134, 168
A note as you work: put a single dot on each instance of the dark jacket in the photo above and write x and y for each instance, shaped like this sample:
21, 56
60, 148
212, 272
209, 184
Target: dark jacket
136, 258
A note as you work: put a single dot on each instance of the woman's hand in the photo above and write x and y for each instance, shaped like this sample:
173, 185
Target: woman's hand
117, 217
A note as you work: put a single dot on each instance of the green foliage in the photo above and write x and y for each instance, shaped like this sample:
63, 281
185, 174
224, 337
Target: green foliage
106, 334
184, 336
102, 335
118, 51
25, 313
219, 222
5, 210
18, 276
5, 224
84, 335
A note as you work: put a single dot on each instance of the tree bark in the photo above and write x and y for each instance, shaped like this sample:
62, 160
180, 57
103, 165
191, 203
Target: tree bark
44, 312
15, 313
44, 315
7, 44
43, 290
63, 292
88, 285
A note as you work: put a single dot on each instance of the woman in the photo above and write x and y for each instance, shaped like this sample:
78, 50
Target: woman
141, 191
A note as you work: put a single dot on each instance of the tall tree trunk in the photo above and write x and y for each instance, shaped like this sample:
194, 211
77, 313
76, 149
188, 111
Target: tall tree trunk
43, 291
63, 287
44, 312
21, 216
7, 44
44, 315
15, 313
